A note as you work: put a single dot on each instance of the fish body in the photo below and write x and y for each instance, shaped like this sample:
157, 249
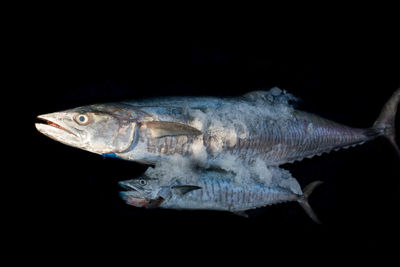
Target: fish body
277, 140
258, 125
223, 194
212, 190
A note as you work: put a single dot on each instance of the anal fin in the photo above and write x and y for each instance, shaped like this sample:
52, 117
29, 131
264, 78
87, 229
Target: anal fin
303, 200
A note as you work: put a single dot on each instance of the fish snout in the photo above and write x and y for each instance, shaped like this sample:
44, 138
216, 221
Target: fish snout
123, 184
127, 185
55, 126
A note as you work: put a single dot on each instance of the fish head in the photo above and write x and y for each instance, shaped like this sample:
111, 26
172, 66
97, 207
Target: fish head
101, 129
140, 191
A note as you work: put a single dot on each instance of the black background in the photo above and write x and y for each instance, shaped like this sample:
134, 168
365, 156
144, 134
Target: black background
68, 198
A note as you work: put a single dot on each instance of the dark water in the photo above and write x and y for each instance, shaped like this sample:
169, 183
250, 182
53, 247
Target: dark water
69, 198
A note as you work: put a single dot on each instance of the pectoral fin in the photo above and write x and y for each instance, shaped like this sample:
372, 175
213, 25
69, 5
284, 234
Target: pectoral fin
184, 189
163, 128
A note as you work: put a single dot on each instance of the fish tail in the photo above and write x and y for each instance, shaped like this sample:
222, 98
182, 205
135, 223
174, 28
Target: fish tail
303, 200
385, 124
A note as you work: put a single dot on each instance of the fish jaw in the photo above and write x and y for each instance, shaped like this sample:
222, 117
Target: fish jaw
131, 185
127, 185
141, 194
55, 128
134, 198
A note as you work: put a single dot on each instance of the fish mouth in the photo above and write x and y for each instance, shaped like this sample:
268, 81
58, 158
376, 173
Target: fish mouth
47, 122
53, 126
132, 196
126, 185
131, 191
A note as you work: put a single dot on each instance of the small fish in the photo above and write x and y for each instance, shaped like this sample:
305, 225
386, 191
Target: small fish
212, 190
259, 125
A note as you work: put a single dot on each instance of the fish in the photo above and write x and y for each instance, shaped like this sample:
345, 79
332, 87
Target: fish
210, 190
260, 125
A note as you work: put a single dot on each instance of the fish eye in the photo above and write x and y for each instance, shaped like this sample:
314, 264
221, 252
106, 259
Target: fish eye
82, 119
142, 182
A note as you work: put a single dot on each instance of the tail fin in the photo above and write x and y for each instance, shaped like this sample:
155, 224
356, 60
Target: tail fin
386, 120
303, 200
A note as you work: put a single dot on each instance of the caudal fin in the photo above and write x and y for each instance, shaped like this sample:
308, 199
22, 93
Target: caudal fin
386, 120
303, 200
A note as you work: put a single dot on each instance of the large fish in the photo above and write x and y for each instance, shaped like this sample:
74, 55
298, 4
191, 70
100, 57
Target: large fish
260, 125
211, 190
